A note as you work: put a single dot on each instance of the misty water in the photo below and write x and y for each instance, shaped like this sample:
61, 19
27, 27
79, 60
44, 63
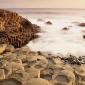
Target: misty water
53, 39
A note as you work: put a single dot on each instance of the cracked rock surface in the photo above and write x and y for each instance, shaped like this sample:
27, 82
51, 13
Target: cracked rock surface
22, 66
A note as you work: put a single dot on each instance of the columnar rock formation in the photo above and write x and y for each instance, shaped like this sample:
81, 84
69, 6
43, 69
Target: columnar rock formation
15, 30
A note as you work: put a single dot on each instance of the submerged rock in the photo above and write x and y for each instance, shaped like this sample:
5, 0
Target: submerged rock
65, 28
40, 19
81, 24
49, 22
83, 36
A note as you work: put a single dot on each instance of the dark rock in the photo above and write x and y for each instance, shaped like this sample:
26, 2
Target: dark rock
65, 28
73, 60
81, 24
35, 26
83, 36
49, 22
15, 30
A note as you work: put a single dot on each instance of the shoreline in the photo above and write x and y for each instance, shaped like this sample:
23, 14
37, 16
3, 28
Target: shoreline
35, 66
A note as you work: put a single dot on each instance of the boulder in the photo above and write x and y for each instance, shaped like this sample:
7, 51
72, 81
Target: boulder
65, 28
49, 22
81, 24
15, 29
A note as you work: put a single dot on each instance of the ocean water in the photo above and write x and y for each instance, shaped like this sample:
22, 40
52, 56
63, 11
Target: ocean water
53, 39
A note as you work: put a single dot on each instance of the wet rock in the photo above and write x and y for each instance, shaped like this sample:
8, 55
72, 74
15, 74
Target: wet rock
38, 81
35, 26
65, 28
49, 23
37, 29
83, 36
81, 24
72, 60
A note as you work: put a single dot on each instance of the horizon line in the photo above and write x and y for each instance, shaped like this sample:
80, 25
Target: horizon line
41, 8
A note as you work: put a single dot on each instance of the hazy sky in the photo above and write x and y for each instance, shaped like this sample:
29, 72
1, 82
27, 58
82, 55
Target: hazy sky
42, 3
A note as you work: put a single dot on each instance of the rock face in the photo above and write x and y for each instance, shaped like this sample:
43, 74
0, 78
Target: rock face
25, 67
15, 30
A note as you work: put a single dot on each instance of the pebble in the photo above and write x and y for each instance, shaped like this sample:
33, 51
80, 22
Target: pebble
49, 22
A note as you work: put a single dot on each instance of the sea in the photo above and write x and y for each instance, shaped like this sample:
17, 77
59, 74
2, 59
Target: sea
53, 38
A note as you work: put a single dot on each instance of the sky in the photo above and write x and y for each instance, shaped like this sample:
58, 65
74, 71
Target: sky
42, 3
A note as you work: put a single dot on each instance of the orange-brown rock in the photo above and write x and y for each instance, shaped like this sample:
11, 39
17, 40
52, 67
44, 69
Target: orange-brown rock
82, 24
15, 29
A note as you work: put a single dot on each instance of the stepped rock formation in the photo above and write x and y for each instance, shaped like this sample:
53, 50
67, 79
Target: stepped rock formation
26, 67
15, 30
